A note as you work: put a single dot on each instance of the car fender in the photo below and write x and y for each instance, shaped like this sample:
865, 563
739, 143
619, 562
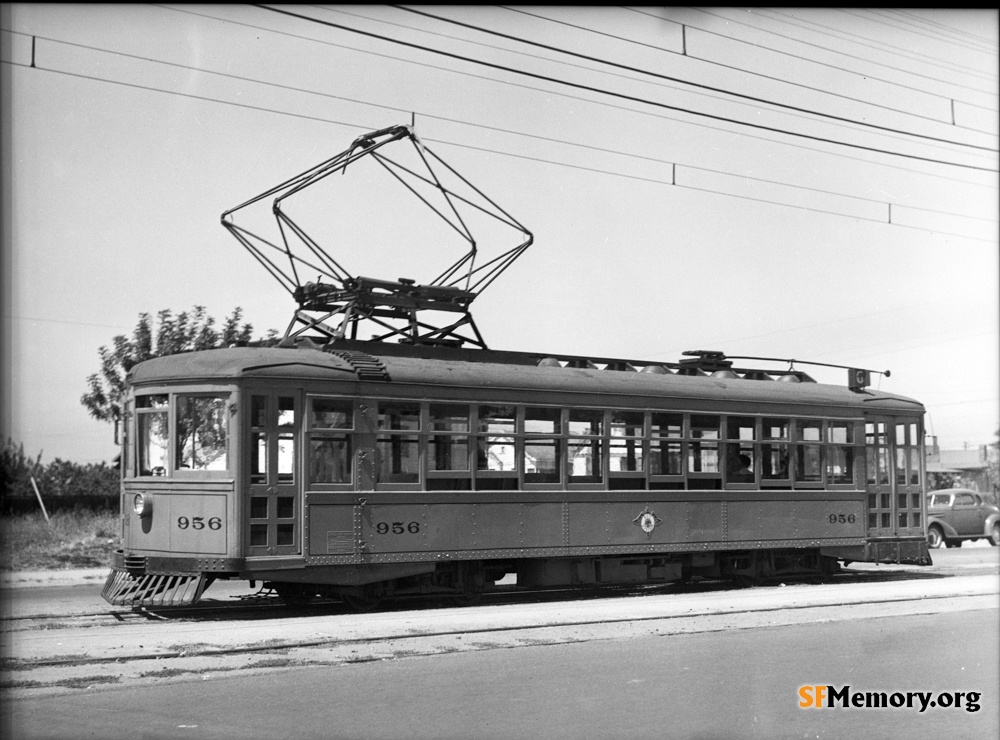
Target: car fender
991, 520
946, 529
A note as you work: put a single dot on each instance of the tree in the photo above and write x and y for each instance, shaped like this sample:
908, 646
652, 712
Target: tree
185, 332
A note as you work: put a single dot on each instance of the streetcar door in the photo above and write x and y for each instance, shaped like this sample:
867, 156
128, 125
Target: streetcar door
894, 456
879, 477
273, 506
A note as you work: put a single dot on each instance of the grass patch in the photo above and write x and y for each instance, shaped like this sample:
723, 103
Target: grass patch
70, 539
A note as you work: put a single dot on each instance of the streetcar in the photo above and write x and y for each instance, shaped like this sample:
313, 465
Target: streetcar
422, 462
366, 471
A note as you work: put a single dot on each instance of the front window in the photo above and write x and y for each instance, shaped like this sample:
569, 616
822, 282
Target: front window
153, 434
202, 433
180, 433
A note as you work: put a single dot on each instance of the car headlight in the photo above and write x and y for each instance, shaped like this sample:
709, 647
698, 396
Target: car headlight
142, 504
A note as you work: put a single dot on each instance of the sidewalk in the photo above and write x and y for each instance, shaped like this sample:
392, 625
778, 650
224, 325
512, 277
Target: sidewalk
36, 578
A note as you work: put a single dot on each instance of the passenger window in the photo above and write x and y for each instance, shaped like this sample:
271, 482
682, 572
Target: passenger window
774, 449
495, 448
584, 459
740, 449
330, 422
666, 456
809, 457
840, 452
397, 444
542, 445
625, 455
202, 438
703, 449
449, 441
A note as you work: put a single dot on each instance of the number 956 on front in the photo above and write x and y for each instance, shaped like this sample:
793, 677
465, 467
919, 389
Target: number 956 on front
198, 524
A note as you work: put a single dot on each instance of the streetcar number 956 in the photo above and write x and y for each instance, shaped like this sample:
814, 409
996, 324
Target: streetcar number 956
199, 522
398, 527
842, 518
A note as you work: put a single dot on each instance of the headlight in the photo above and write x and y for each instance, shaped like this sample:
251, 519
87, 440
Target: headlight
142, 504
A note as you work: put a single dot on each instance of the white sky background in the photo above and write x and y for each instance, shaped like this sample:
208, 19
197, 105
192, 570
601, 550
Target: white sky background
139, 125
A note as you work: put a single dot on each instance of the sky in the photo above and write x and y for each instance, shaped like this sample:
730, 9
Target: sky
811, 184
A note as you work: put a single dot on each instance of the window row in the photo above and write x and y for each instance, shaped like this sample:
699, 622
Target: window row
500, 446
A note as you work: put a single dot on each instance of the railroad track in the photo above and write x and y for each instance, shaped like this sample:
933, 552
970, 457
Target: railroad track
265, 605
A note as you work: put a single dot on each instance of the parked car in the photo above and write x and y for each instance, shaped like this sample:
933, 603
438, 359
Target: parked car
959, 514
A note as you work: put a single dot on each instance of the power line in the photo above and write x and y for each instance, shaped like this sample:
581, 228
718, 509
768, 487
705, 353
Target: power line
590, 101
882, 47
957, 37
839, 52
741, 176
936, 37
991, 43
612, 93
509, 154
508, 50
808, 111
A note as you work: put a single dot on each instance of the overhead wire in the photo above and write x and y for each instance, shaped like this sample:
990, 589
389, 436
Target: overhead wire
619, 95
992, 43
840, 52
741, 176
805, 116
956, 37
809, 111
921, 33
846, 36
591, 101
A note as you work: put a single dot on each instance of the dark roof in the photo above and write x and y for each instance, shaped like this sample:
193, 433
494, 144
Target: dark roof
315, 364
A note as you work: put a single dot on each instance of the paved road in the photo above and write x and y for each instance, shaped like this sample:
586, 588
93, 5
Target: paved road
695, 663
734, 684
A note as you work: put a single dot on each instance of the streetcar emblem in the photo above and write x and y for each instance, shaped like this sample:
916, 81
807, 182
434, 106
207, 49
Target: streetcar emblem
647, 521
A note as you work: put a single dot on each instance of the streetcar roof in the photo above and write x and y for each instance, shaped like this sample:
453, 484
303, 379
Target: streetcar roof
314, 365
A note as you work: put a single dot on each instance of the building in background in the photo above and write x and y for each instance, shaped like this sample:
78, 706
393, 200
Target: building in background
969, 466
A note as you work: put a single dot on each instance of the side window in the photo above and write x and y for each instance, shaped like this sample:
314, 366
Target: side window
329, 426
666, 452
774, 449
840, 452
626, 431
741, 452
398, 443
584, 458
495, 444
809, 454
542, 444
703, 449
964, 499
449, 446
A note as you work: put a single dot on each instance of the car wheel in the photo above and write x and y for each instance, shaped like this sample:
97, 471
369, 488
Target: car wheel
934, 538
995, 535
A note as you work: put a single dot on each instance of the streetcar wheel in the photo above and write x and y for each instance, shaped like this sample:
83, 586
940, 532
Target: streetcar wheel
934, 538
995, 535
